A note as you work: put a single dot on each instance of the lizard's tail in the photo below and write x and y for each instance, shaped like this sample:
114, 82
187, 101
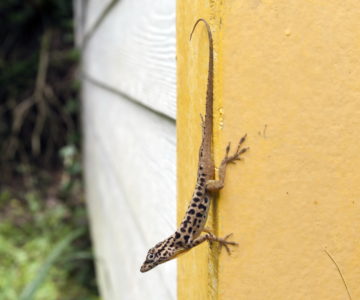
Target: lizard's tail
206, 145
210, 81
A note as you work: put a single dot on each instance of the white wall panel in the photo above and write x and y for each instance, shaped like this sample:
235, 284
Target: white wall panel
130, 188
129, 100
93, 10
133, 51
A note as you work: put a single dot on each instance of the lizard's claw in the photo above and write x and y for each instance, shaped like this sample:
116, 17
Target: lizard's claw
208, 230
228, 148
242, 140
202, 123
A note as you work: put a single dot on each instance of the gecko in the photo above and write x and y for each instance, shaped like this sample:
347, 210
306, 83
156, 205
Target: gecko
192, 230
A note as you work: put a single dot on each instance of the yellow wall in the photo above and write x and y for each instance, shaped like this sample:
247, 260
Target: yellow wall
288, 74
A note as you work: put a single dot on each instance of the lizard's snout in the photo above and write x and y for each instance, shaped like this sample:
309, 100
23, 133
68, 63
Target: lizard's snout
144, 268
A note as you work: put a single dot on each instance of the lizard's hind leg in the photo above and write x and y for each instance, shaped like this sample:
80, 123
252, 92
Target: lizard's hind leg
210, 237
216, 185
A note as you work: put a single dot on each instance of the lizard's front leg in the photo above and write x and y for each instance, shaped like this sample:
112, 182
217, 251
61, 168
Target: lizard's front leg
216, 185
210, 237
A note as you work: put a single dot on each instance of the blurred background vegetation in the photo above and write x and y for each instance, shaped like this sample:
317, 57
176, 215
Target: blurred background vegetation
45, 250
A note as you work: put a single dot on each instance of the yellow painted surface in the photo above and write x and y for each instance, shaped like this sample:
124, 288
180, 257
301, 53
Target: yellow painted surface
288, 74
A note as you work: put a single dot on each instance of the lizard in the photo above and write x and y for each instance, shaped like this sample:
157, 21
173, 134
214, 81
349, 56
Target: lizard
188, 234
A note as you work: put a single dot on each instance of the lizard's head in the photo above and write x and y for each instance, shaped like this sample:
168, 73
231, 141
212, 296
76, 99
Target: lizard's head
160, 253
151, 261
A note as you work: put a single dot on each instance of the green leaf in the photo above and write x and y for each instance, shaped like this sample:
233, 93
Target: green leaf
29, 291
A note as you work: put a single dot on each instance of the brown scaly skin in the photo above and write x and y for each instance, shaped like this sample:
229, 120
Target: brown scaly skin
188, 235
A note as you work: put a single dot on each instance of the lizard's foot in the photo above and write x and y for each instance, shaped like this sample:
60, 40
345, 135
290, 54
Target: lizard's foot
238, 152
224, 242
216, 185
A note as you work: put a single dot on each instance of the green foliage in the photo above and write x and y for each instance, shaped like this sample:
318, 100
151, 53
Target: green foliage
30, 290
45, 250
41, 253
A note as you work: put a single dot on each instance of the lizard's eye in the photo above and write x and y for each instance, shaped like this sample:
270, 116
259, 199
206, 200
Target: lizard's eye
150, 256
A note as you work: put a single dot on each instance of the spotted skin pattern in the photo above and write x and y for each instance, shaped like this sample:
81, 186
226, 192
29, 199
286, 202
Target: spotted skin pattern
189, 233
